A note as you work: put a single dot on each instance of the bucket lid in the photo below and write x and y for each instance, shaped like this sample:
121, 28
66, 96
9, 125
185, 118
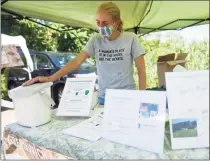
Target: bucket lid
24, 91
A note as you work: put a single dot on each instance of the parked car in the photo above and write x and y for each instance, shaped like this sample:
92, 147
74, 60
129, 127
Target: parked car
46, 64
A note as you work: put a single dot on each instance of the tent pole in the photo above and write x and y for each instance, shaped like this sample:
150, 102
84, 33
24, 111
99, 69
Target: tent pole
3, 2
198, 21
146, 13
76, 28
27, 18
136, 29
163, 26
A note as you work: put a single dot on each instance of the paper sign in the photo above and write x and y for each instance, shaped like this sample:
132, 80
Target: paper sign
135, 118
188, 103
77, 97
90, 129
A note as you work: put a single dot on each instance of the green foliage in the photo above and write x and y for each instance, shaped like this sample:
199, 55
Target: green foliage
198, 56
37, 37
185, 133
73, 40
3, 84
41, 38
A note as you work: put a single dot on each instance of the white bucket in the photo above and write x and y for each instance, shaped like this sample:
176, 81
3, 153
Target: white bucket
32, 104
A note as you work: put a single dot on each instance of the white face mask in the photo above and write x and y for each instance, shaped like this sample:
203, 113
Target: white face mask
106, 31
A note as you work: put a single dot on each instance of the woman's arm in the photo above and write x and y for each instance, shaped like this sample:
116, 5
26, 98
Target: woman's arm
140, 65
69, 67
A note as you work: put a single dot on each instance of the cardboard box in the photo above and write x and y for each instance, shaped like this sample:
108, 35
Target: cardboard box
167, 63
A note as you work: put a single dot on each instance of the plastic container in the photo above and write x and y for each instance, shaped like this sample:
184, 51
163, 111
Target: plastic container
32, 104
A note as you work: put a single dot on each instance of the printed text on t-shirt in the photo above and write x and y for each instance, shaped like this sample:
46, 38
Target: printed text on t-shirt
111, 55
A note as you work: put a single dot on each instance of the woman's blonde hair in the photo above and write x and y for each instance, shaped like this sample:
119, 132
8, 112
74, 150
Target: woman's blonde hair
114, 11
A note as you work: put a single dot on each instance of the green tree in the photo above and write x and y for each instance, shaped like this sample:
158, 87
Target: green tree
197, 58
73, 40
37, 37
41, 38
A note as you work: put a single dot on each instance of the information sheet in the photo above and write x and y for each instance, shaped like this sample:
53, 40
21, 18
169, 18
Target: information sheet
188, 103
77, 97
135, 118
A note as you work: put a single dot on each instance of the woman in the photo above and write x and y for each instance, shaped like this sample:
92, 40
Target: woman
114, 50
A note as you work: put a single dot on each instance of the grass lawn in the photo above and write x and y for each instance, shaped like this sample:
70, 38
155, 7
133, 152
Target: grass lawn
185, 133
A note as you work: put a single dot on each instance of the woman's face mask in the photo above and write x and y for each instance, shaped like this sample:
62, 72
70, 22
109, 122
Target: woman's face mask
106, 31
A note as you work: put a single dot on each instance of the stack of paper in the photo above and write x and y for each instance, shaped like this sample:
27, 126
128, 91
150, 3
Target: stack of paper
89, 129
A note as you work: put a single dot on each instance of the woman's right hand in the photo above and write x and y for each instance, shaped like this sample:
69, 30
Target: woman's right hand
39, 79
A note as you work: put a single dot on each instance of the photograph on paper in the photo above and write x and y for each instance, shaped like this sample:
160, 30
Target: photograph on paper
184, 128
79, 92
147, 110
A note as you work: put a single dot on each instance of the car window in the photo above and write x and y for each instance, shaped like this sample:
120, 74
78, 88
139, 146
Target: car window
33, 59
42, 62
86, 63
23, 59
61, 60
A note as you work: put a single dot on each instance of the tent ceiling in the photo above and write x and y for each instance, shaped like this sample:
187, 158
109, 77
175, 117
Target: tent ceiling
148, 15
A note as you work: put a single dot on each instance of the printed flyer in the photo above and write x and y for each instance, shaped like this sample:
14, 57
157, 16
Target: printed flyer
77, 97
188, 102
132, 117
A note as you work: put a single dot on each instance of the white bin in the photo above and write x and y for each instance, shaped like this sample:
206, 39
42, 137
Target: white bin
32, 104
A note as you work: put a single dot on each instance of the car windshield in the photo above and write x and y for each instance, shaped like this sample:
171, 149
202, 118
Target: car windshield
61, 60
